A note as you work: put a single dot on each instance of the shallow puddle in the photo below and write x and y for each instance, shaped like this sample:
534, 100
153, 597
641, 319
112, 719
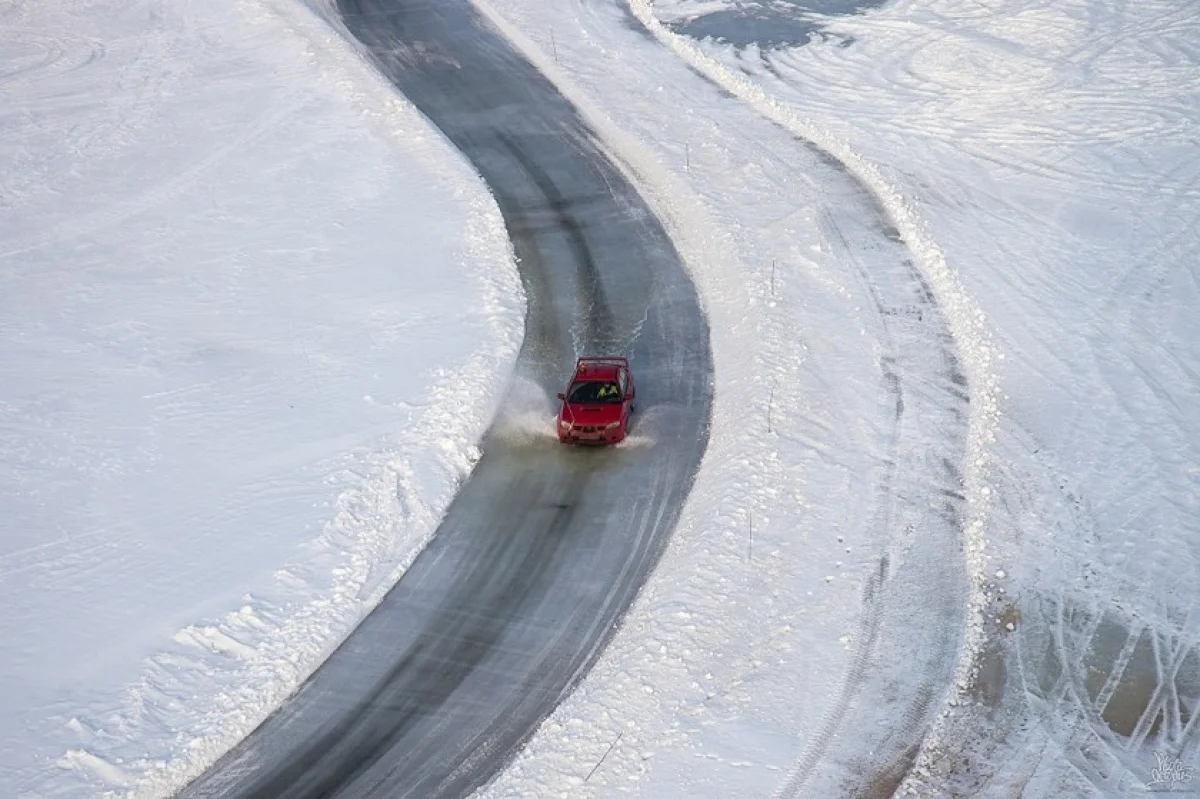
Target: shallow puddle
770, 24
1140, 682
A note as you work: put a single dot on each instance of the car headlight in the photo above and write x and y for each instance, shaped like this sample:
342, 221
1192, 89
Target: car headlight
564, 424
612, 426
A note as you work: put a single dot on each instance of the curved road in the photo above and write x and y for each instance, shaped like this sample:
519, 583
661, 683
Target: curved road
544, 547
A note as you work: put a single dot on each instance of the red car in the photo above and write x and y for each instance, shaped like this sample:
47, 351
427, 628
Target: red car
596, 406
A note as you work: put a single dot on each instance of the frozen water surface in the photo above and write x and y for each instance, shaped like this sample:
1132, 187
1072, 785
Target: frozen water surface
766, 24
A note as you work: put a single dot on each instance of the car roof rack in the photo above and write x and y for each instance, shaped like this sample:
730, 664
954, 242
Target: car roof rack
614, 360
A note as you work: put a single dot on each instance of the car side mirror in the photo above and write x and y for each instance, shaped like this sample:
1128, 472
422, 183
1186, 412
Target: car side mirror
562, 396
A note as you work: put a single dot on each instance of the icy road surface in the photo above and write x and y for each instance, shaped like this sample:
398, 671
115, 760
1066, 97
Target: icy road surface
545, 546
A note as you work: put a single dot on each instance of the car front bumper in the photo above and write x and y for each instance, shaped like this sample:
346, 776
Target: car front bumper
597, 437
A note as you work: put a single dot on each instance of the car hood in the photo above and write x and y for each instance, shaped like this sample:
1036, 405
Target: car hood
591, 414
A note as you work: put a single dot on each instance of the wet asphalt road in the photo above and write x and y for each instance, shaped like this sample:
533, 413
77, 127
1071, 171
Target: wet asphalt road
770, 24
545, 546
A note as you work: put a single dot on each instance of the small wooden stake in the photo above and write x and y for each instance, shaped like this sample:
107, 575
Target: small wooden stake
601, 761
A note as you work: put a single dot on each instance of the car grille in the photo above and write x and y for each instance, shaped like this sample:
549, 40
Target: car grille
589, 429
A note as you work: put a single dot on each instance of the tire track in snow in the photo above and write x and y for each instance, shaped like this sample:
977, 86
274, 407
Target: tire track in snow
918, 573
127, 105
52, 56
914, 306
111, 216
997, 60
959, 329
1097, 674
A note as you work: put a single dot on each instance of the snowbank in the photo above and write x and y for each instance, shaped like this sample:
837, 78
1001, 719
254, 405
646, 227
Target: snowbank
254, 315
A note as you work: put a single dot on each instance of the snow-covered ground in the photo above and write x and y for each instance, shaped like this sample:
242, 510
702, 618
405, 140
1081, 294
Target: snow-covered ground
1040, 158
948, 250
837, 404
254, 315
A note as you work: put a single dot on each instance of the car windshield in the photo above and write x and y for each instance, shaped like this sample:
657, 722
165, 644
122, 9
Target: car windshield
594, 391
